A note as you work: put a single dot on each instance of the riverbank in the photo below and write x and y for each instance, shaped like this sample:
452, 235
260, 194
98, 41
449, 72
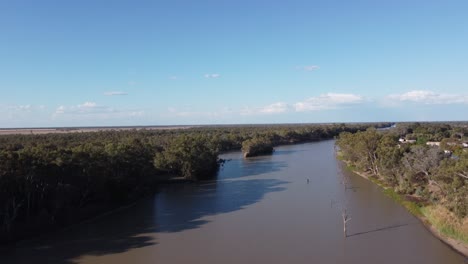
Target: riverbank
420, 212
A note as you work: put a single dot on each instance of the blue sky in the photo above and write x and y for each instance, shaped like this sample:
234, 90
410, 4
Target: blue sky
101, 63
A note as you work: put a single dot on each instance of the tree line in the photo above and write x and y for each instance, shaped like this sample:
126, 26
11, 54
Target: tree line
431, 174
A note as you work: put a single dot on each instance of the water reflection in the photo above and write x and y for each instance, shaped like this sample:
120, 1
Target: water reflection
286, 152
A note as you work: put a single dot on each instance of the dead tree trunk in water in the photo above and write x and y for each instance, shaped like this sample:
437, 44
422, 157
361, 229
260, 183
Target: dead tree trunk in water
344, 214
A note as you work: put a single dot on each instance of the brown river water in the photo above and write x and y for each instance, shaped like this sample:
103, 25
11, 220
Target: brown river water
259, 210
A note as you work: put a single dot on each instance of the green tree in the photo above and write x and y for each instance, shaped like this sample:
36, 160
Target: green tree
453, 176
188, 156
257, 146
389, 155
361, 149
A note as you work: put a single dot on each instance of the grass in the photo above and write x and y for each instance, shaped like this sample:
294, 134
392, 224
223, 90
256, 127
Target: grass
379, 182
436, 215
447, 223
339, 155
412, 207
351, 167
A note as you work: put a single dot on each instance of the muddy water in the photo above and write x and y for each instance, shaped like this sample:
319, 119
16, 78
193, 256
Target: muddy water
260, 210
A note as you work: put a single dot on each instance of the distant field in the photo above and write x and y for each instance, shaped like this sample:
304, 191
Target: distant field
39, 131
63, 130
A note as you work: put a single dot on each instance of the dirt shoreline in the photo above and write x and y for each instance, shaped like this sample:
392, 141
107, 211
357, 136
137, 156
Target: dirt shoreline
456, 245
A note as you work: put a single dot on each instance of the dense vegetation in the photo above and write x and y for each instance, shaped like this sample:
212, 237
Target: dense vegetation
54, 179
434, 175
257, 146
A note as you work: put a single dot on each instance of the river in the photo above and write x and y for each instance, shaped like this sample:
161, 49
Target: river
283, 208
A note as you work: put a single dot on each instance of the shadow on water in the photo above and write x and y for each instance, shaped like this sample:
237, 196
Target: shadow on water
174, 209
250, 167
181, 207
184, 209
114, 233
377, 230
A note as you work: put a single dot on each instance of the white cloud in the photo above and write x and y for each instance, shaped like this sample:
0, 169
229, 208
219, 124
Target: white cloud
321, 102
317, 103
113, 93
275, 108
24, 107
327, 101
309, 68
187, 112
60, 110
429, 97
212, 75
95, 111
15, 115
87, 105
220, 115
173, 77
84, 108
136, 113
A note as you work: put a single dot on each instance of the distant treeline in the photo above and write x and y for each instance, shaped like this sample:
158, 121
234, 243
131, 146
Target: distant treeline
54, 179
425, 161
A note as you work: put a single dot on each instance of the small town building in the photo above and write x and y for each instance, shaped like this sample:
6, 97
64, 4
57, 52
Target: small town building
407, 141
433, 143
